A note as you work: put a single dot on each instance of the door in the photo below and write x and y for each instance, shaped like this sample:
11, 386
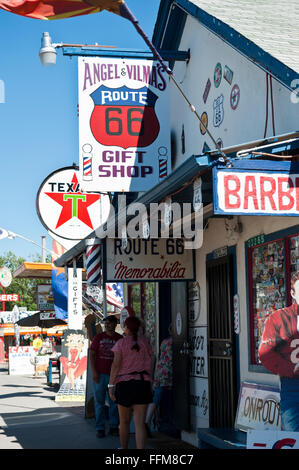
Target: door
222, 382
181, 360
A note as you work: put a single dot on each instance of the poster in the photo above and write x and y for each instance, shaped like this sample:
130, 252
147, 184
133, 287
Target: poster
73, 363
124, 132
45, 299
279, 354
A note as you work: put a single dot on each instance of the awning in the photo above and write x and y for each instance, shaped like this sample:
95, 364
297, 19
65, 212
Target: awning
30, 270
178, 183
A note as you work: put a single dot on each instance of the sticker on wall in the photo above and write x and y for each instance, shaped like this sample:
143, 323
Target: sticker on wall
183, 140
207, 91
217, 75
235, 97
218, 111
219, 142
205, 148
228, 74
204, 119
179, 323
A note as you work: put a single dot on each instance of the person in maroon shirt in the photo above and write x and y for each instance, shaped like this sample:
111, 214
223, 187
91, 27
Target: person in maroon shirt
101, 358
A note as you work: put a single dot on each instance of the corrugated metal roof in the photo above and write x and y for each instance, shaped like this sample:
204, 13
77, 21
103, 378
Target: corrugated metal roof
273, 25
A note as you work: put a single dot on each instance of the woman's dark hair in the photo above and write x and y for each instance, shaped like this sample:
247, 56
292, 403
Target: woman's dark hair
133, 324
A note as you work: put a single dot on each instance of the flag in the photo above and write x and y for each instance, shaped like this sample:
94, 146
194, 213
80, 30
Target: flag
58, 9
114, 294
59, 284
3, 233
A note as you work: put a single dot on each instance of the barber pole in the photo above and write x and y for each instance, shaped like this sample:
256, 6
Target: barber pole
93, 261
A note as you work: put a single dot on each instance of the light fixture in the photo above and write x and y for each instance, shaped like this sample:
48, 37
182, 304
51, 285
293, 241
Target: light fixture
47, 52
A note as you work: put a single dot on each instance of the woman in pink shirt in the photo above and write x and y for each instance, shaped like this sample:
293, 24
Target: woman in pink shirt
130, 381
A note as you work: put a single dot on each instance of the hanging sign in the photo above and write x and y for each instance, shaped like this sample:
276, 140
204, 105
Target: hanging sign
257, 188
45, 299
5, 277
163, 259
65, 210
124, 133
75, 315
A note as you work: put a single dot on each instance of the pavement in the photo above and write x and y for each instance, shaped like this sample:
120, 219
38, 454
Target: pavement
31, 419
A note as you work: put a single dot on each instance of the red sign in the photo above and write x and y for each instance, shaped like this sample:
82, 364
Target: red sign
9, 297
124, 117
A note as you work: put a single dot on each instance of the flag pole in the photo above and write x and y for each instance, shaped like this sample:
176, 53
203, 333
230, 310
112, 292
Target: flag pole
125, 12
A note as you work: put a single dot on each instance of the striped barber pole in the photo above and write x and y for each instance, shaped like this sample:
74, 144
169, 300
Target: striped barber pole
93, 261
162, 167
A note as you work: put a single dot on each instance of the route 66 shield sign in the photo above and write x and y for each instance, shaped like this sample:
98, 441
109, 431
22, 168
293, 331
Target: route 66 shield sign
124, 117
123, 124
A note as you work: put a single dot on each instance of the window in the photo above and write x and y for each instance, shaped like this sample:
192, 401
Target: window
271, 263
142, 298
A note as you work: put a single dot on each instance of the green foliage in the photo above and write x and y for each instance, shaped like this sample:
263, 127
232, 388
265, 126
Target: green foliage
26, 288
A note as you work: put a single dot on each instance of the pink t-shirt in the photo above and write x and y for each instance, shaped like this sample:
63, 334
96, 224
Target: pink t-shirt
132, 360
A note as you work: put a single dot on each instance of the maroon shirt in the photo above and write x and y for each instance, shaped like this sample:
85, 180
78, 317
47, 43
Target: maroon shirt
101, 345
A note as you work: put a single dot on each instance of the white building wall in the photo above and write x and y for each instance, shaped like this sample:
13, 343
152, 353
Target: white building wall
244, 124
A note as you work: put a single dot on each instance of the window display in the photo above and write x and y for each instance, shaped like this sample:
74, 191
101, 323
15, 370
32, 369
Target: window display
270, 266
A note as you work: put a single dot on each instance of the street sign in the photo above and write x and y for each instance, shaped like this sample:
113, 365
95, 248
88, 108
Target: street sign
66, 210
9, 297
5, 277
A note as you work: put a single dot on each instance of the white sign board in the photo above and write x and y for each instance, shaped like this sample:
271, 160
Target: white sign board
47, 315
258, 408
272, 440
21, 360
75, 317
266, 189
148, 260
45, 299
5, 277
199, 397
65, 210
124, 132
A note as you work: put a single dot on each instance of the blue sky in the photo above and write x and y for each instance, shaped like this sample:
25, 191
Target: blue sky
39, 124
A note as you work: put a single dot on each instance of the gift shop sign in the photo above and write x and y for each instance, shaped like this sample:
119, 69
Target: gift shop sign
124, 133
65, 210
163, 259
257, 188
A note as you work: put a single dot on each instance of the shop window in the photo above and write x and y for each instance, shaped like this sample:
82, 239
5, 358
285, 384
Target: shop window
271, 263
142, 298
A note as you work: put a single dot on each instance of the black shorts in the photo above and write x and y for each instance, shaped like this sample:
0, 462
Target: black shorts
133, 392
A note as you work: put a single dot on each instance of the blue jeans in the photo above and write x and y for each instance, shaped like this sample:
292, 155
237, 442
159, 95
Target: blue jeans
100, 391
289, 404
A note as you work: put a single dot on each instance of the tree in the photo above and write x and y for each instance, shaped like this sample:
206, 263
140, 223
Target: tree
26, 288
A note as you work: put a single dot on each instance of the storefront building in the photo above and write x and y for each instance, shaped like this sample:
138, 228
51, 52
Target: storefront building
243, 89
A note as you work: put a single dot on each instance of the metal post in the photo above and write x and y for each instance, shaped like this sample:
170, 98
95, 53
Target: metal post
43, 249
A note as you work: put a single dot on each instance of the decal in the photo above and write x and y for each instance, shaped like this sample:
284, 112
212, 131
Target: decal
217, 75
228, 74
218, 111
204, 119
207, 91
235, 97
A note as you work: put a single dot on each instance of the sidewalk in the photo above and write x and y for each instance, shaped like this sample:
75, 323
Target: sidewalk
31, 419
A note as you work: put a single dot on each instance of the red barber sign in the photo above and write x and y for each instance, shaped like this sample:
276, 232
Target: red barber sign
257, 188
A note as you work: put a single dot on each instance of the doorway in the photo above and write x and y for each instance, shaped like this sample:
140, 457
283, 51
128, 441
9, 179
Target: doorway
221, 342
